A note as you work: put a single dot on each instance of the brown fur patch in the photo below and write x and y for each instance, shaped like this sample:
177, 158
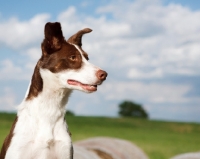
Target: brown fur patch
102, 154
53, 37
77, 38
36, 83
68, 57
7, 141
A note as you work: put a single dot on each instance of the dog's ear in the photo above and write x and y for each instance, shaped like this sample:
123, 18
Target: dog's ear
77, 38
53, 38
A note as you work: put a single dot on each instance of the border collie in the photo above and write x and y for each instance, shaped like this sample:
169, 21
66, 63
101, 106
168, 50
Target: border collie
40, 130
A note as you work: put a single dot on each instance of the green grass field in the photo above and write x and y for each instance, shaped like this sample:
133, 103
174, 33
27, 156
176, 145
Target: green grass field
160, 140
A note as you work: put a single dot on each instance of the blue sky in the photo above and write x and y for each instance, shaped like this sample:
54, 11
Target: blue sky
150, 50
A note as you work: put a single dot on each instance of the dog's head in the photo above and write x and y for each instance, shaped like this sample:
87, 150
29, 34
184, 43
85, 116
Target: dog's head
64, 64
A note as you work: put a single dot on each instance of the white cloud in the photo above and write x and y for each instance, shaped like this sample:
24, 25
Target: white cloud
8, 70
18, 34
11, 71
163, 38
147, 93
33, 54
136, 74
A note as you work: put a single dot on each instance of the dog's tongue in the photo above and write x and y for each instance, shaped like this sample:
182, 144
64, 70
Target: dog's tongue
72, 82
84, 86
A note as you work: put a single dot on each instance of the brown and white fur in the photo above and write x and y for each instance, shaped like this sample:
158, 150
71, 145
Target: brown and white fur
40, 130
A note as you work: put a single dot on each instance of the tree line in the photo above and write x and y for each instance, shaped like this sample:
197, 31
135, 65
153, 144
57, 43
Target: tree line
126, 109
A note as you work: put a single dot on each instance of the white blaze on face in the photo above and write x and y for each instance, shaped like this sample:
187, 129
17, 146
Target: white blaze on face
84, 79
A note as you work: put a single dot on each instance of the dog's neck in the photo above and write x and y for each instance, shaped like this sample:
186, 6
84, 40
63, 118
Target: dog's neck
52, 91
46, 99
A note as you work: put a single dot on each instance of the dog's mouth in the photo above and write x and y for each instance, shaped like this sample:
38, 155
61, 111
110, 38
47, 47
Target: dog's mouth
87, 87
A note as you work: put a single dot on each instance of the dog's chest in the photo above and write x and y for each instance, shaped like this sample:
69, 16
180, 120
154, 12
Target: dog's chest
39, 139
33, 136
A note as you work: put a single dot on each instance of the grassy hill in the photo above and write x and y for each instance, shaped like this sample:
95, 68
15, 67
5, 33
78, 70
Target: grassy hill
160, 140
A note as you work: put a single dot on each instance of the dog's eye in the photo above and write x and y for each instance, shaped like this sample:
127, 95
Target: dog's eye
72, 58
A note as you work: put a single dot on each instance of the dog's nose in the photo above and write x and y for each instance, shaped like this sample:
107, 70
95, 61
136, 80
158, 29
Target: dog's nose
101, 75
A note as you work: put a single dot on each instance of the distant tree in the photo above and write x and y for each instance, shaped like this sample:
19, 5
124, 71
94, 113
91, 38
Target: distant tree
131, 109
69, 113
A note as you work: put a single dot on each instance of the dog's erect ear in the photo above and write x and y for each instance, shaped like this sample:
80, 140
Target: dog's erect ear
77, 38
53, 38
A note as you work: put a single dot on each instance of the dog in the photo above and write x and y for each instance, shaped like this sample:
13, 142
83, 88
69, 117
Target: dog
40, 130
